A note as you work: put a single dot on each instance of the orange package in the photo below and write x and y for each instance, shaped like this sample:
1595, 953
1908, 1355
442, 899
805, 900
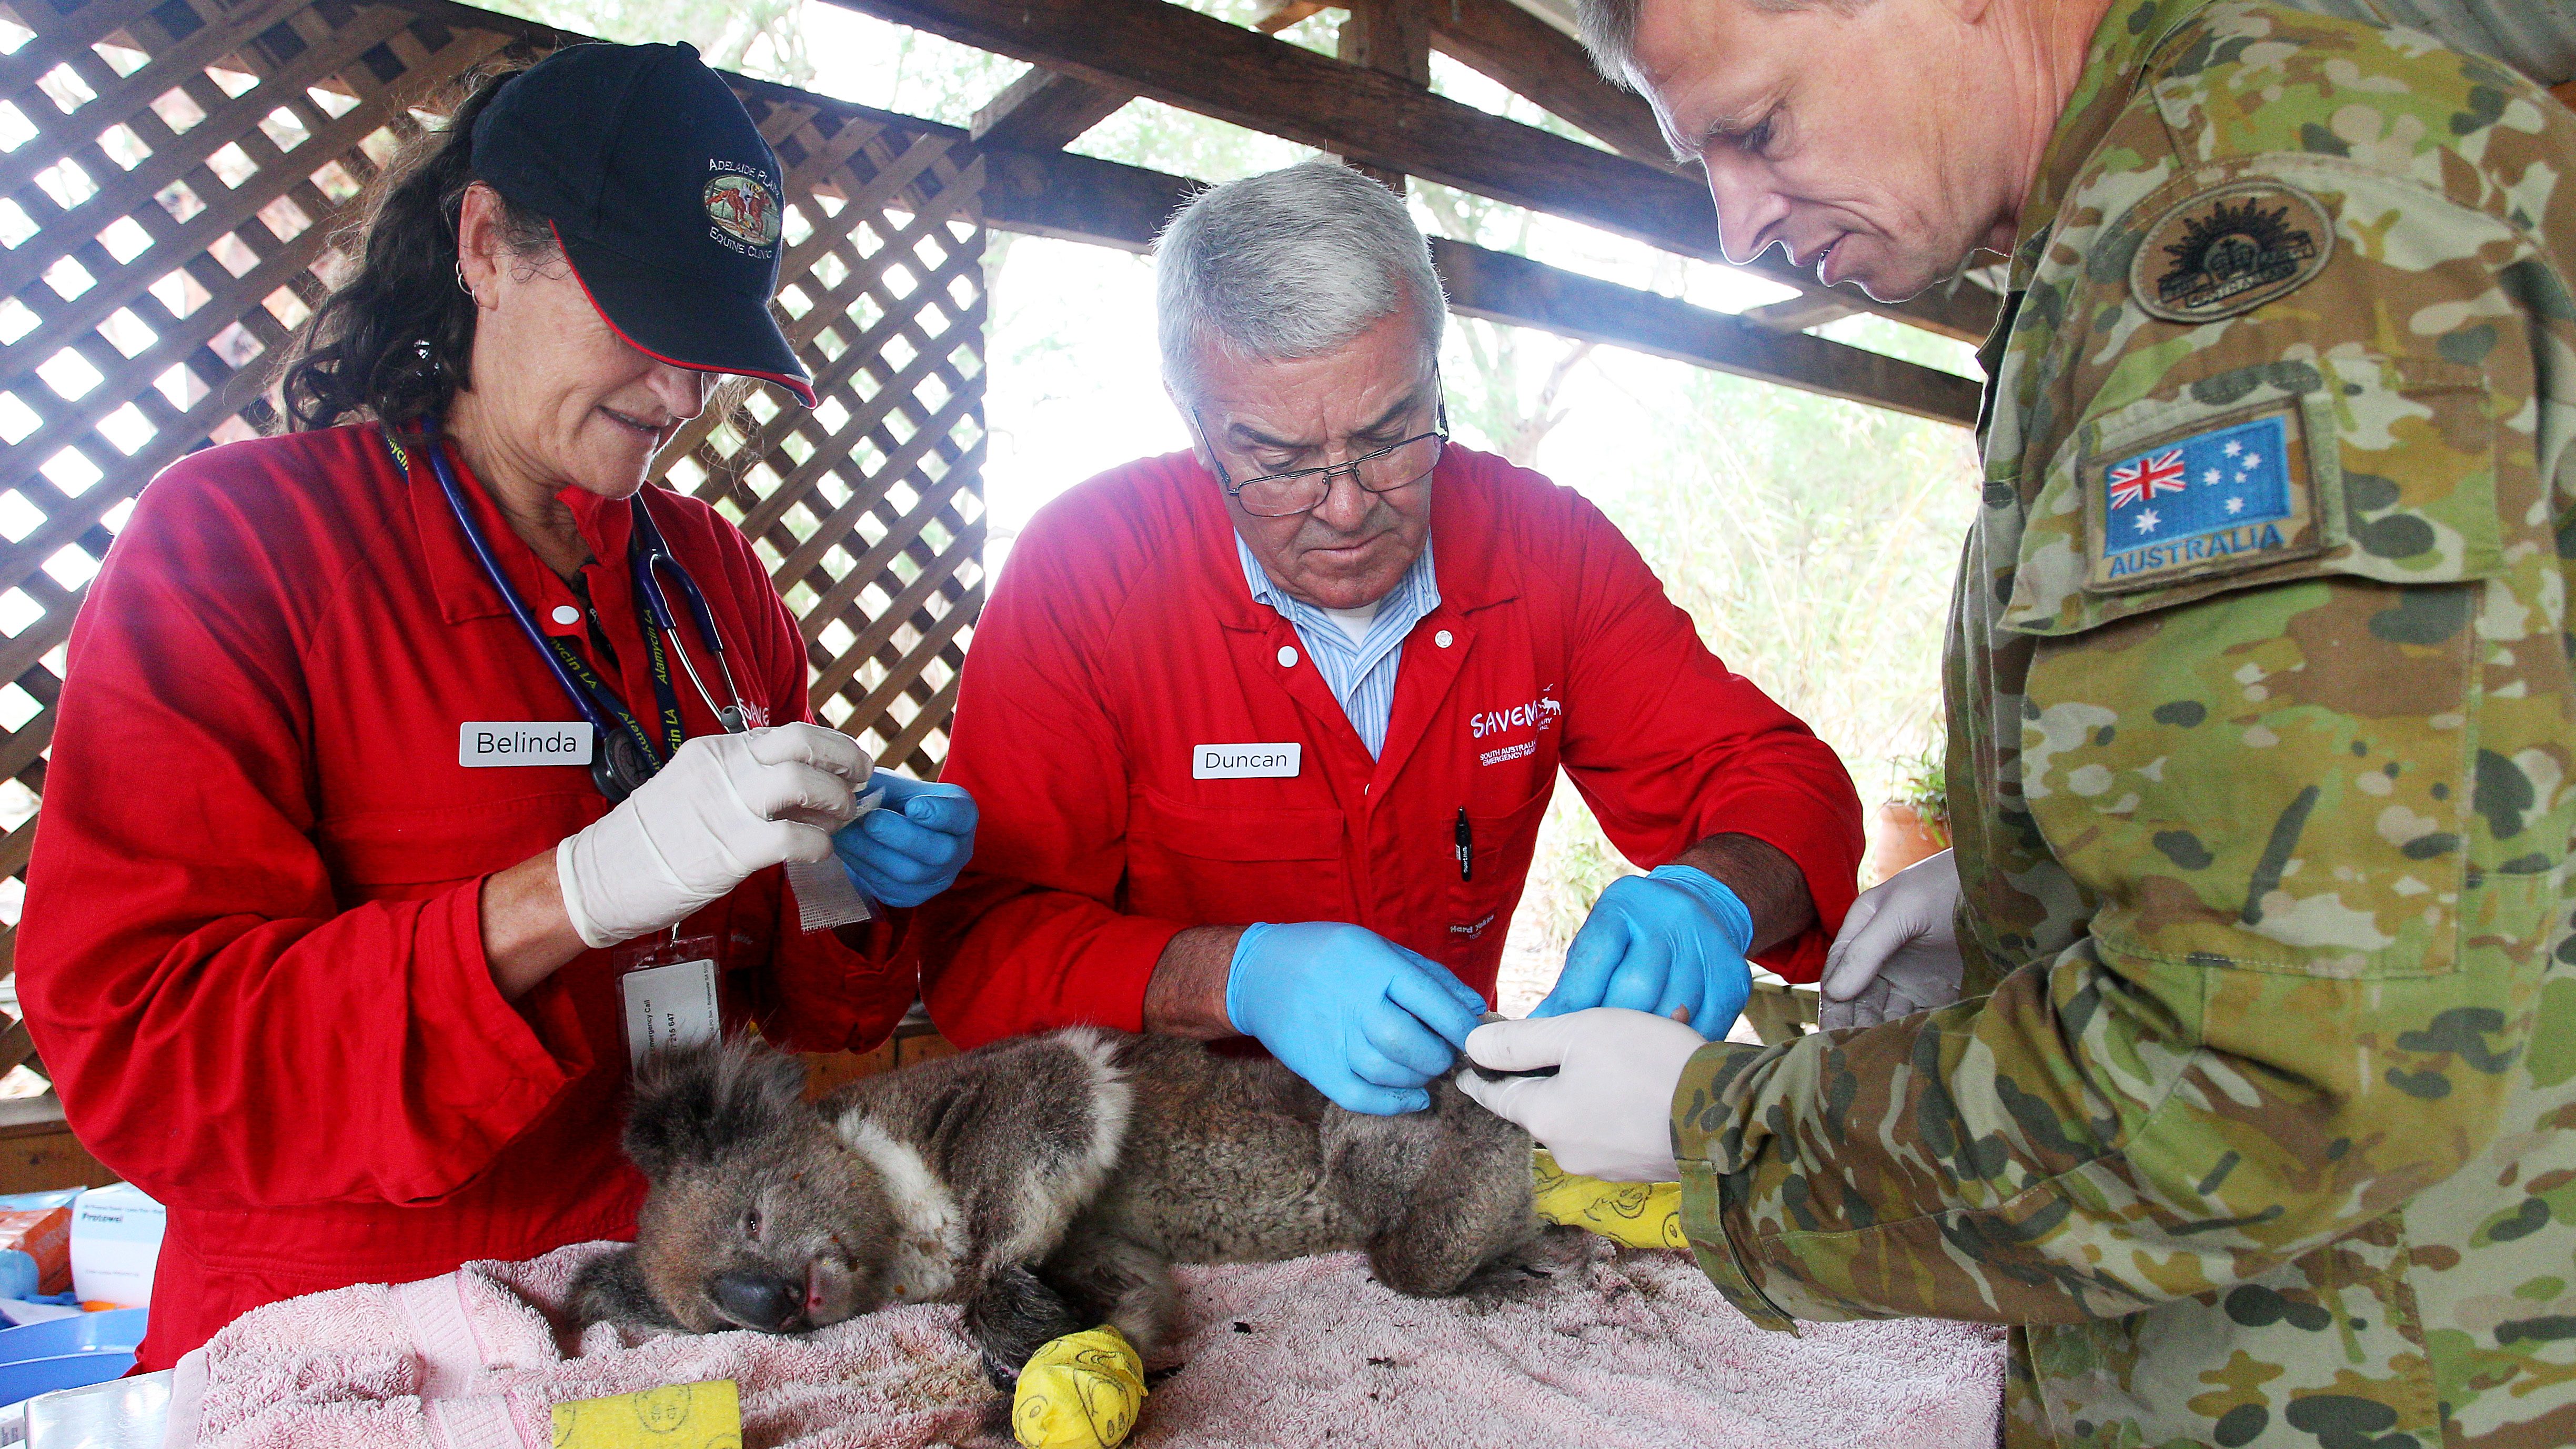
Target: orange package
45, 1236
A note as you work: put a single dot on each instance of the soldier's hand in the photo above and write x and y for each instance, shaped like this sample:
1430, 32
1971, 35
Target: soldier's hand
1607, 1111
1898, 952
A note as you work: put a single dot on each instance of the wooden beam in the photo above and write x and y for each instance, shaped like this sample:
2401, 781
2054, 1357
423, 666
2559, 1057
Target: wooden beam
1797, 314
1278, 15
1200, 63
1532, 58
1079, 198
1393, 38
1500, 287
38, 1153
1529, 57
1044, 111
1105, 203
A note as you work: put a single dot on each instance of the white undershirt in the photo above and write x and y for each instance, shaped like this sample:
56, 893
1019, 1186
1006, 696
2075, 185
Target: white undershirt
1354, 622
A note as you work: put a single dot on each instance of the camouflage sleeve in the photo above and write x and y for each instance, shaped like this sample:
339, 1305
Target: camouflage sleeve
2297, 769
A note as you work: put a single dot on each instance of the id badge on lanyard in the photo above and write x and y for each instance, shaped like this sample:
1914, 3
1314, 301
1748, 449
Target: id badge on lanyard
667, 987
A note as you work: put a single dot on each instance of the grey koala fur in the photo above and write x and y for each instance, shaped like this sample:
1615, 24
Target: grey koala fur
1047, 1183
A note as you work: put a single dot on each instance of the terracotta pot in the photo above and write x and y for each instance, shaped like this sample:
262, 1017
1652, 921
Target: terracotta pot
1898, 837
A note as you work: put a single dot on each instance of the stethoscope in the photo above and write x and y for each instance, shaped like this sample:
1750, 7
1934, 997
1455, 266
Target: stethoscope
624, 759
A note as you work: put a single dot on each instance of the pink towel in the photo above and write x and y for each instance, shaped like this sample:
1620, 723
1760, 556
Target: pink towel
1634, 1349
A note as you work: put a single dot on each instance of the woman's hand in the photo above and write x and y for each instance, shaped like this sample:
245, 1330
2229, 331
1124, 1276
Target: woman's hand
724, 807
913, 848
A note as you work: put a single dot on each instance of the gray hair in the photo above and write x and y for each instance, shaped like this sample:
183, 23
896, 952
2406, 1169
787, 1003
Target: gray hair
1289, 264
1609, 30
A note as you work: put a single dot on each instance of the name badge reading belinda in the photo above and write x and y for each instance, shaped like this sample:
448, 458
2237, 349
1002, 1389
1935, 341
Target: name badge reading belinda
1245, 762
482, 744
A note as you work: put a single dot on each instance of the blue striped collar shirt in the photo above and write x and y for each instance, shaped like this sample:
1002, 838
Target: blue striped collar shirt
1362, 674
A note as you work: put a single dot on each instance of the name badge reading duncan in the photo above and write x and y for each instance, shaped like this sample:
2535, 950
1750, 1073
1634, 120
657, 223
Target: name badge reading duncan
482, 744
1245, 762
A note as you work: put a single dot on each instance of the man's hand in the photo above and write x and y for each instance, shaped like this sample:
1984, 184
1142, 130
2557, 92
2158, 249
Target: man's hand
1899, 948
1608, 1110
1661, 942
1365, 1020
913, 847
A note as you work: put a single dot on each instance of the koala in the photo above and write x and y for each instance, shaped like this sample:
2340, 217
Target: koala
1047, 1183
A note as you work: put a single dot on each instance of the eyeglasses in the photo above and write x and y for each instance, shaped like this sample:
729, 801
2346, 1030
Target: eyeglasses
1390, 469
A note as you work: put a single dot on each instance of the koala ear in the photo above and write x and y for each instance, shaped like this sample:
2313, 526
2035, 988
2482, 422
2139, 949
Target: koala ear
696, 1104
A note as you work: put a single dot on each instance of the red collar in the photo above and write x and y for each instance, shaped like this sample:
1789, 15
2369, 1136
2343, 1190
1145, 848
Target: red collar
464, 591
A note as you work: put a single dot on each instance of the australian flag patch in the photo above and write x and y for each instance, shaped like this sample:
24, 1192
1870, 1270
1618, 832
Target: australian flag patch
2214, 501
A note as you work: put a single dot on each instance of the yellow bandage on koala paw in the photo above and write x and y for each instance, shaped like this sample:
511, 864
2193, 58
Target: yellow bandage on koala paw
1632, 1214
677, 1416
1081, 1391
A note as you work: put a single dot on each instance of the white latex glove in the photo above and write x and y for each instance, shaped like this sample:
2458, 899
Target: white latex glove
1898, 951
724, 807
1608, 1111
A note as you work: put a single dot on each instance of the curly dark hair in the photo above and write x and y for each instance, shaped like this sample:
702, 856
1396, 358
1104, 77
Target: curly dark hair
392, 341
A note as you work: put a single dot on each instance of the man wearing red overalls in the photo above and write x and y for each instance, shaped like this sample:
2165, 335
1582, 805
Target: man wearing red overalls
1263, 732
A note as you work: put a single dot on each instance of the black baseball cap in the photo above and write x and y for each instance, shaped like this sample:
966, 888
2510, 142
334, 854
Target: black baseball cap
666, 199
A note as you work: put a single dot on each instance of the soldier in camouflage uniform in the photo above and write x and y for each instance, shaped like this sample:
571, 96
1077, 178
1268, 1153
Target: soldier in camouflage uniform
2263, 757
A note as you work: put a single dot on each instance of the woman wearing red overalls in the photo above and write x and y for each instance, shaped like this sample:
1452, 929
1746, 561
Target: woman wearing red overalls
418, 766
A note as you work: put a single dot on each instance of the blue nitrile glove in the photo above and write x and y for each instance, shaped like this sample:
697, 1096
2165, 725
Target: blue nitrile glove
912, 847
1673, 937
1365, 1020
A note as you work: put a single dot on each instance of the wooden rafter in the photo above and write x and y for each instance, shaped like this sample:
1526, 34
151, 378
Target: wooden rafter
1534, 59
1810, 309
1278, 15
1044, 110
1392, 38
1106, 203
1180, 57
1500, 287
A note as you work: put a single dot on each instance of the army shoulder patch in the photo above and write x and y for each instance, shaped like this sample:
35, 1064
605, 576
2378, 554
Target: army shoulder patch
2230, 250
2218, 499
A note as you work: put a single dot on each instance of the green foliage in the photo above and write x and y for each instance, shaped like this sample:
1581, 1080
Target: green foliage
1813, 543
1575, 863
1924, 787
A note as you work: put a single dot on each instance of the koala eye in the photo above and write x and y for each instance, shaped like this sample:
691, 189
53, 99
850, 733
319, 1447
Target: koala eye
751, 1222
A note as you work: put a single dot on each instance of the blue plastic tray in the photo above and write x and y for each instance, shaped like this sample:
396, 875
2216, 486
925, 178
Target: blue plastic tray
67, 1353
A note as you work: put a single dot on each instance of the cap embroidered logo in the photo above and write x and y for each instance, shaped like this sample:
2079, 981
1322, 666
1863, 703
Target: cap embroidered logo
743, 209
665, 198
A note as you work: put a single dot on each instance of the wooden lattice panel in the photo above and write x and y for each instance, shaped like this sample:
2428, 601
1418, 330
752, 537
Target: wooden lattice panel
169, 176
869, 508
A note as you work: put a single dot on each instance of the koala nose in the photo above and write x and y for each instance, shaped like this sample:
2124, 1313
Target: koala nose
758, 1300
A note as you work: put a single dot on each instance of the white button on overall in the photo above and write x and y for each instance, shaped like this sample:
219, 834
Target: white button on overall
567, 614
1442, 638
1287, 657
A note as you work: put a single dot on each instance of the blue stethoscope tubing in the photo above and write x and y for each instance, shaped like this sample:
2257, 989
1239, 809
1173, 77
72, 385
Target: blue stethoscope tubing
649, 561
650, 554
